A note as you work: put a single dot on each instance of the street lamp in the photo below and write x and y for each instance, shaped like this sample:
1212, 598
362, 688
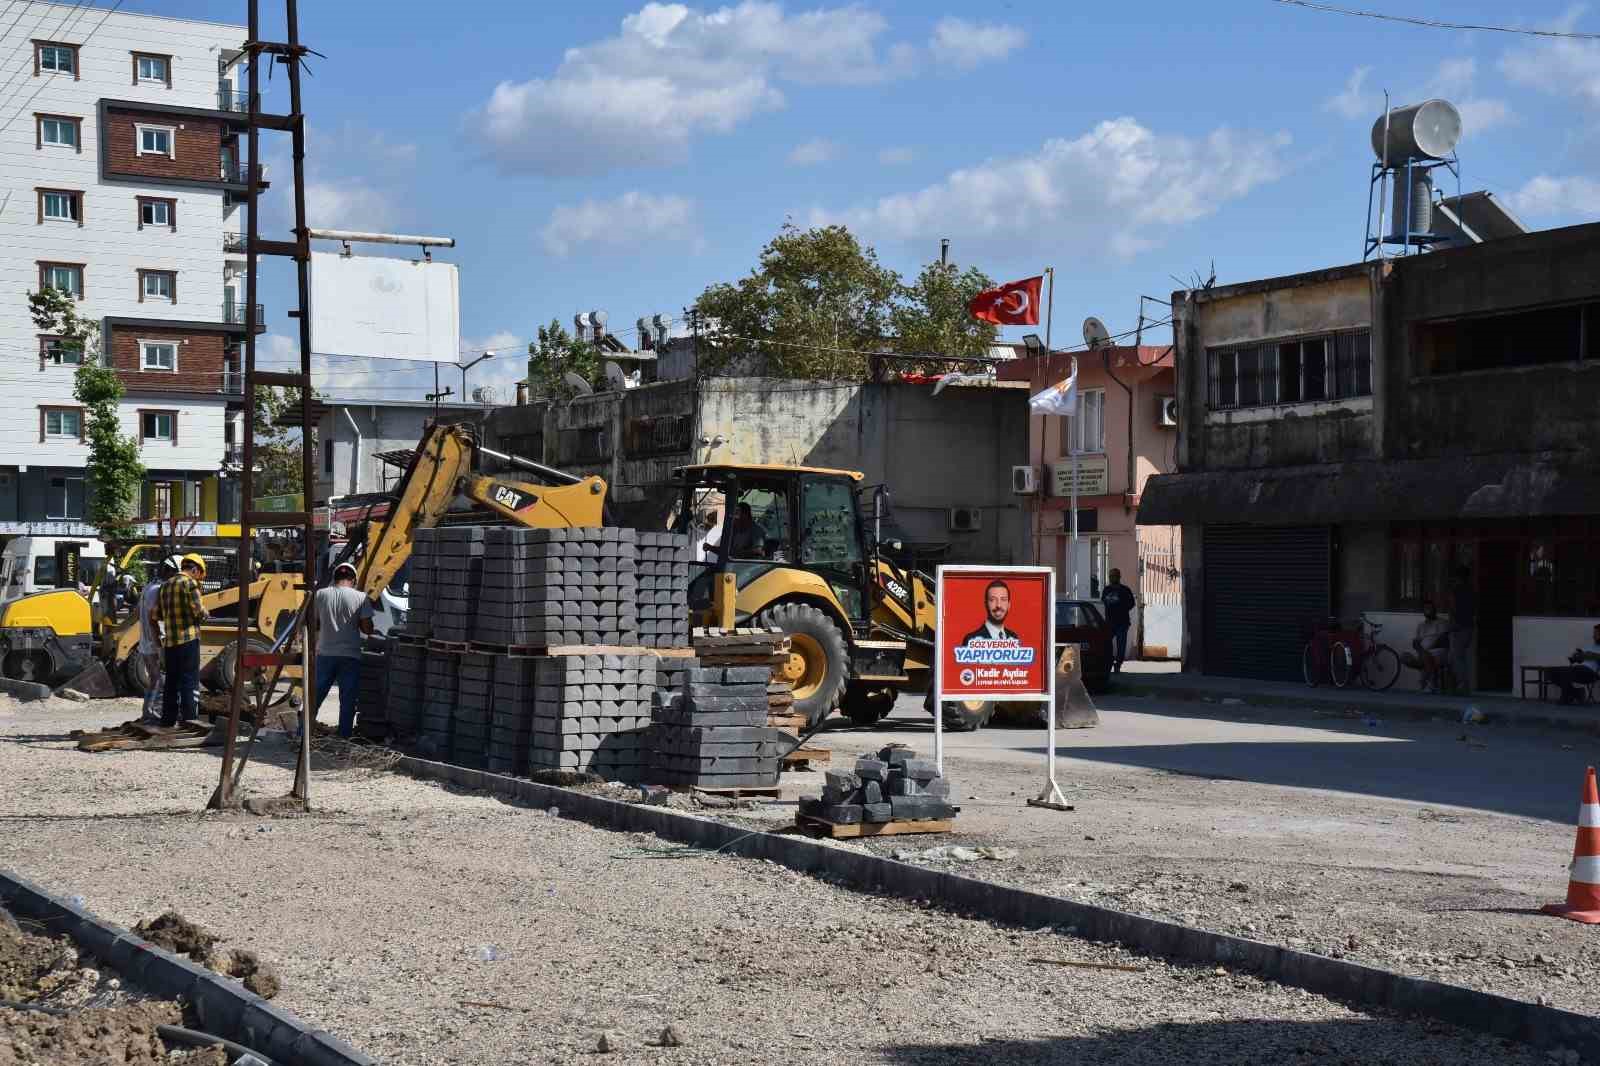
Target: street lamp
468, 366
1033, 344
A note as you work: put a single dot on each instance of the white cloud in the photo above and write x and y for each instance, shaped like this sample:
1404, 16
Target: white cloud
965, 45
1560, 66
1117, 186
896, 155
815, 151
349, 203
1355, 100
620, 222
676, 73
1544, 195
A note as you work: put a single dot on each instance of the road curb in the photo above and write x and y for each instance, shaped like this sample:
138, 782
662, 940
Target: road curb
1449, 707
24, 690
1340, 979
225, 1008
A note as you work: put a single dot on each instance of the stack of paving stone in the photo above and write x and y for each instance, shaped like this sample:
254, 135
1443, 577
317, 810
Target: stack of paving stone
438, 704
420, 584
664, 590
405, 687
456, 577
372, 700
549, 587
511, 714
891, 786
469, 734
592, 712
710, 727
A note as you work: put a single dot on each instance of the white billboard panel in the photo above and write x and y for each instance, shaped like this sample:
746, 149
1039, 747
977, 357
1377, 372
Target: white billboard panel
385, 308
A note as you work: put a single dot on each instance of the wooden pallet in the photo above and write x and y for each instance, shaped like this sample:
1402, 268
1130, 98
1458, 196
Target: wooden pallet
791, 722
671, 653
807, 757
132, 736
542, 651
741, 792
453, 647
822, 827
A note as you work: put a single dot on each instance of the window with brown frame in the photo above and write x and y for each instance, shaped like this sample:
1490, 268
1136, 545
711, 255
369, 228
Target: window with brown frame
55, 351
60, 423
57, 131
1558, 573
55, 57
152, 68
68, 277
158, 285
158, 211
60, 205
158, 426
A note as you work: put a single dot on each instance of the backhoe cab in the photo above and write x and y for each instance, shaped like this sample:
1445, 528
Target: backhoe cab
791, 538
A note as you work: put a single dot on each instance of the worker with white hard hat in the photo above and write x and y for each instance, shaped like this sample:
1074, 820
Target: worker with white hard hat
344, 615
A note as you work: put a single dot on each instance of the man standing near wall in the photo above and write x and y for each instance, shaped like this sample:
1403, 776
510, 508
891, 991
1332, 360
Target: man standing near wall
180, 612
1463, 624
1118, 600
344, 614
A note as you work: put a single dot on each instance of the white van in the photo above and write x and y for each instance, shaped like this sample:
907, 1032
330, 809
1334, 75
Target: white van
28, 564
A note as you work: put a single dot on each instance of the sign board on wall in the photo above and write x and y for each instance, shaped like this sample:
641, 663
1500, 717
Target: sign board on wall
995, 633
1094, 476
382, 308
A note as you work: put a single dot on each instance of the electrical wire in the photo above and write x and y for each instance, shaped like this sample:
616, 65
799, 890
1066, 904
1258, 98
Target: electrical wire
1437, 24
22, 107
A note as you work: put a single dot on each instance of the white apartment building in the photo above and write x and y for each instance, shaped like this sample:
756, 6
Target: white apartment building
121, 180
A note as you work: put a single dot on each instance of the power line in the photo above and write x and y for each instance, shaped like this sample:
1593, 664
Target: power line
1437, 24
27, 56
21, 108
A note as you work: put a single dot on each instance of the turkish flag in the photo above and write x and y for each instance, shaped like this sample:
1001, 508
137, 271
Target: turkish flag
1015, 303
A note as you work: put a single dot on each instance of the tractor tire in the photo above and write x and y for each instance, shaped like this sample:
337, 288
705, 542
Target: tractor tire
867, 706
967, 716
227, 660
818, 664
32, 666
136, 674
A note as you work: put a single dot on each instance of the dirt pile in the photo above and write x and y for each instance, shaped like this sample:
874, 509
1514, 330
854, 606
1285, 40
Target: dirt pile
96, 1036
178, 935
33, 965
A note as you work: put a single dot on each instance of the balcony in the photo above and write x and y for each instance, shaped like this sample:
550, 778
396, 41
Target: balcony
233, 455
233, 243
232, 382
233, 313
231, 100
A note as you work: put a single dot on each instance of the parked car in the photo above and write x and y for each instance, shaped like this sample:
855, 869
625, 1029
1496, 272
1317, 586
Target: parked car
1081, 622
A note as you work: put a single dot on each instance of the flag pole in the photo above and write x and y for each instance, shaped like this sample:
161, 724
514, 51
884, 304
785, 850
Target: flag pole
1038, 503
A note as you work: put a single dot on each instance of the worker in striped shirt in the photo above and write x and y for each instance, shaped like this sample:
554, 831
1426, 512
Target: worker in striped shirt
180, 612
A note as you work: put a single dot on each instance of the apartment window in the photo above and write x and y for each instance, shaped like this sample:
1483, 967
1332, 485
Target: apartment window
55, 351
1085, 432
154, 211
161, 426
63, 501
1337, 366
158, 355
60, 205
154, 140
68, 277
149, 68
1520, 338
50, 57
60, 423
158, 285
61, 131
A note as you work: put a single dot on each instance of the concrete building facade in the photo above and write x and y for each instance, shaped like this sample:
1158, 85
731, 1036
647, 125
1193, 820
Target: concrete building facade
1351, 437
123, 183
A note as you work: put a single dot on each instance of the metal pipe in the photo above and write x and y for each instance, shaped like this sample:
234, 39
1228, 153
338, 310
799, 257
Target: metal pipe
355, 462
308, 669
379, 238
539, 468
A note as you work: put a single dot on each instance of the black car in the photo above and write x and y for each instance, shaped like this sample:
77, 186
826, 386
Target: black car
1081, 622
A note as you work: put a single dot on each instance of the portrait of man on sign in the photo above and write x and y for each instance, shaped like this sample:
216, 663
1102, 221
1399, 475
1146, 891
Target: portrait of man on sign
996, 606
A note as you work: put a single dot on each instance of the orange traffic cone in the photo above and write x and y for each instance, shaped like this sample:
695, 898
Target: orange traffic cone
1583, 884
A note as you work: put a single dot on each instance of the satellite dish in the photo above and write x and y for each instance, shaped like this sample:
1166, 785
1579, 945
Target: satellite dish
1428, 130
486, 394
1095, 334
576, 383
615, 378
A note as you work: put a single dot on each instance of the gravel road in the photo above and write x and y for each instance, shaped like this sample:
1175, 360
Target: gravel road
399, 904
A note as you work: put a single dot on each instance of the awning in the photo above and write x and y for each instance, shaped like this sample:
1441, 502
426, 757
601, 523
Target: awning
1472, 486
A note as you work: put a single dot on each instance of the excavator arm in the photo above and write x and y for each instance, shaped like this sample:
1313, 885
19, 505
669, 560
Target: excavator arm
441, 468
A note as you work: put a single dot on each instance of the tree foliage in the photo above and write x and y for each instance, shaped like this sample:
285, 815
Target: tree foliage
277, 448
556, 353
819, 303
113, 472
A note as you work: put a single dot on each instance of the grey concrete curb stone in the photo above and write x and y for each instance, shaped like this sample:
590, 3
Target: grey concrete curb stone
1339, 979
24, 690
224, 1008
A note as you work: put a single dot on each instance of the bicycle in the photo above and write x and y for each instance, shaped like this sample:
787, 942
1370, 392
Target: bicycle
1317, 656
1378, 665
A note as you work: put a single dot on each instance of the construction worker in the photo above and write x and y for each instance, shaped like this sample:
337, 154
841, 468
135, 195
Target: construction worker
180, 612
150, 635
344, 614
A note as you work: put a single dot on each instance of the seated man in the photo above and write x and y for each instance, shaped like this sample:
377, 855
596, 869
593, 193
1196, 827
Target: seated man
745, 540
1575, 678
1432, 639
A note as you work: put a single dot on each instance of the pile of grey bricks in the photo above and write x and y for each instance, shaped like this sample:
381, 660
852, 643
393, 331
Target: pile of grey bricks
663, 563
710, 727
511, 714
457, 574
419, 583
892, 785
404, 690
469, 723
372, 699
438, 704
548, 587
592, 713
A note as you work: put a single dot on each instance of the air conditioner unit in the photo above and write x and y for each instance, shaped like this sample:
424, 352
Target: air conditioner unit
1167, 410
965, 519
1024, 480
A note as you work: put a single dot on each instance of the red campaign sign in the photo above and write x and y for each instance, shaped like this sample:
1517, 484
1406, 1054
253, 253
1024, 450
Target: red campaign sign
996, 630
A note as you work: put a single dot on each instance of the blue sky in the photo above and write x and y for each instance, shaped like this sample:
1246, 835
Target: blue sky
623, 155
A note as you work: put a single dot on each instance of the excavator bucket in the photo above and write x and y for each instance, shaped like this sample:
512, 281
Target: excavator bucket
1074, 708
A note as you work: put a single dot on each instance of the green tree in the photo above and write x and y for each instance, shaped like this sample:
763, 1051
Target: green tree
277, 448
114, 473
556, 353
932, 318
817, 301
